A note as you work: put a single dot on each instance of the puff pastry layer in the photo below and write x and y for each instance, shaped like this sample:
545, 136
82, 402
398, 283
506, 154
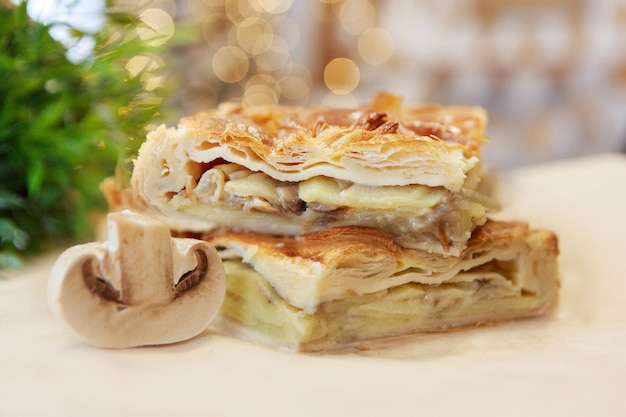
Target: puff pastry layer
414, 172
344, 227
355, 287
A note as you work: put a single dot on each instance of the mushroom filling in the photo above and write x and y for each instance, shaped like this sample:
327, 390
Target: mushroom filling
412, 213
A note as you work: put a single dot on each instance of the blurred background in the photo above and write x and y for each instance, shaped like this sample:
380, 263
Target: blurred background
550, 73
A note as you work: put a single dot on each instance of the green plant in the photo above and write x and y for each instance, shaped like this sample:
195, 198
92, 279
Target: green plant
65, 126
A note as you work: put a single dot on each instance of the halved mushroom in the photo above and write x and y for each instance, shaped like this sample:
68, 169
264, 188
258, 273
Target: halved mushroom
141, 287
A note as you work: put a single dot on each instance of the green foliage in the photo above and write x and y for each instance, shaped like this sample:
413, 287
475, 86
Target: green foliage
64, 127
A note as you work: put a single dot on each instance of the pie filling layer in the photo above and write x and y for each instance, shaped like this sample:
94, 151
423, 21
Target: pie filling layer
412, 171
228, 196
522, 286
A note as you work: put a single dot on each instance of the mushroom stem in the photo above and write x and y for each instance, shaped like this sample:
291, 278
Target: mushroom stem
139, 255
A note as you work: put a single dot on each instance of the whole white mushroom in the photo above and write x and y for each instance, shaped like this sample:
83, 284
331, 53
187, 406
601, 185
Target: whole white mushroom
140, 287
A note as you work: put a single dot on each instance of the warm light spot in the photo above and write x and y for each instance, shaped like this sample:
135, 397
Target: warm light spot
231, 8
294, 88
295, 82
341, 75
355, 16
275, 6
152, 82
301, 71
169, 6
213, 29
286, 28
254, 35
375, 46
142, 63
275, 58
230, 64
231, 35
263, 79
238, 10
157, 28
259, 95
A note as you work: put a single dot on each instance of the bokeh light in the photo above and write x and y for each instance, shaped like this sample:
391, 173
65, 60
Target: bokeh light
338, 51
259, 95
158, 26
265, 52
145, 67
342, 75
275, 58
254, 35
143, 63
230, 64
286, 28
355, 16
275, 6
168, 6
213, 27
294, 88
237, 10
265, 80
375, 46
250, 46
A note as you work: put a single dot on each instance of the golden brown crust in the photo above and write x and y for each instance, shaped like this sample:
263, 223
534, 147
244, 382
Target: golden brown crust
496, 232
272, 131
428, 144
319, 246
325, 244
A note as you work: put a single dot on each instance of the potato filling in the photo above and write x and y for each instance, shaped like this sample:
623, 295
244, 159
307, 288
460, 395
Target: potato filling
252, 302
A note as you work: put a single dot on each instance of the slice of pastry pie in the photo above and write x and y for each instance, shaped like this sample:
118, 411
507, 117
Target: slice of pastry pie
354, 286
343, 227
413, 172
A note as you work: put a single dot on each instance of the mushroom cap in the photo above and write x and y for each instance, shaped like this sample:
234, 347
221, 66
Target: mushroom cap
141, 287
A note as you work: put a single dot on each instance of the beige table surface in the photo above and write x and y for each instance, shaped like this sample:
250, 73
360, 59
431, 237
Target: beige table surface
570, 364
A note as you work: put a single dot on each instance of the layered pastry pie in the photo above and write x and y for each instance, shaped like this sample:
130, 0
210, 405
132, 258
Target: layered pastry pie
354, 286
343, 227
413, 172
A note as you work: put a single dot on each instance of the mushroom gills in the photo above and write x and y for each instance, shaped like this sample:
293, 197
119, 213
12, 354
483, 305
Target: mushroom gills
192, 278
98, 285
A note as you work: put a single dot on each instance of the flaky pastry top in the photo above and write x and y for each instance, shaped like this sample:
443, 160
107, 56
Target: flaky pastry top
381, 143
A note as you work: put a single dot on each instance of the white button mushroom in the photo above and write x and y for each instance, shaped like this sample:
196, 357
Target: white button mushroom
141, 287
